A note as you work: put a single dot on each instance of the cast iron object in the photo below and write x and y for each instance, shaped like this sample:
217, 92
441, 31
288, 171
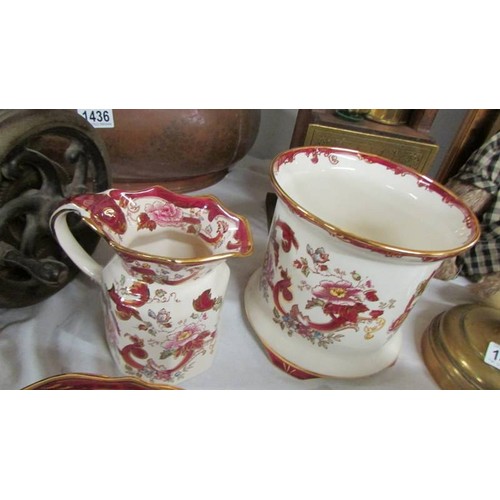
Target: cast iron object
46, 156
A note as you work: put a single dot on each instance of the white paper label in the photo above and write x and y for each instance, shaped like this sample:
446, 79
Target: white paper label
492, 356
98, 118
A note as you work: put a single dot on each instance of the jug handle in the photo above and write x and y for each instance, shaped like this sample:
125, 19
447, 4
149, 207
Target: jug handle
70, 244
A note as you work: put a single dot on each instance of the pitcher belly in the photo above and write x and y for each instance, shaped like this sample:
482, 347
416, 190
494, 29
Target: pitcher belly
164, 333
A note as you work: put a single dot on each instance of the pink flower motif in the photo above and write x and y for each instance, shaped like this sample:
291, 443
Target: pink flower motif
343, 302
164, 214
185, 335
340, 293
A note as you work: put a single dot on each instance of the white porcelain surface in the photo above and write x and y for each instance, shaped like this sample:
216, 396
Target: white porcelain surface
373, 199
65, 333
344, 361
163, 289
352, 247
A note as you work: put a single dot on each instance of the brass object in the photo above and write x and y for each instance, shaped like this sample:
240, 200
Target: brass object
454, 347
415, 154
389, 116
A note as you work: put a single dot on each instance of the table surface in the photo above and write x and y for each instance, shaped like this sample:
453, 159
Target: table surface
65, 333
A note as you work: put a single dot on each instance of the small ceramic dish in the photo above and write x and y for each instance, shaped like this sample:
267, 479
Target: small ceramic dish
84, 381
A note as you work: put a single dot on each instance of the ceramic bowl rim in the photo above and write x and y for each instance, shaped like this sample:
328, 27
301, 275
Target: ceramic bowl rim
195, 261
470, 218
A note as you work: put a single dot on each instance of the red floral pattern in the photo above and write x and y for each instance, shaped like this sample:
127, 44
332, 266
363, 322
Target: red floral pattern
129, 299
346, 300
185, 341
118, 214
103, 211
188, 338
411, 303
205, 302
158, 329
144, 222
164, 213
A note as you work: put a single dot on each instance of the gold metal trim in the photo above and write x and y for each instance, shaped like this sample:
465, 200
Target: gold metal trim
389, 116
365, 242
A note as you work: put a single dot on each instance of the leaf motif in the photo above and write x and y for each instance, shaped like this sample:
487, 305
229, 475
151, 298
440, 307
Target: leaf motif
144, 222
314, 302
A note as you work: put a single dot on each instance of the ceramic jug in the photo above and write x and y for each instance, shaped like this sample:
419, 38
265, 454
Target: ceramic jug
354, 241
164, 286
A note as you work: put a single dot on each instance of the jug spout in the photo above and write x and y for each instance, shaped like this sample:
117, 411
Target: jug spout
164, 287
160, 235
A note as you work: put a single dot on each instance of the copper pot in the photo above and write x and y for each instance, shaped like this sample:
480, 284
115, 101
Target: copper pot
181, 149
